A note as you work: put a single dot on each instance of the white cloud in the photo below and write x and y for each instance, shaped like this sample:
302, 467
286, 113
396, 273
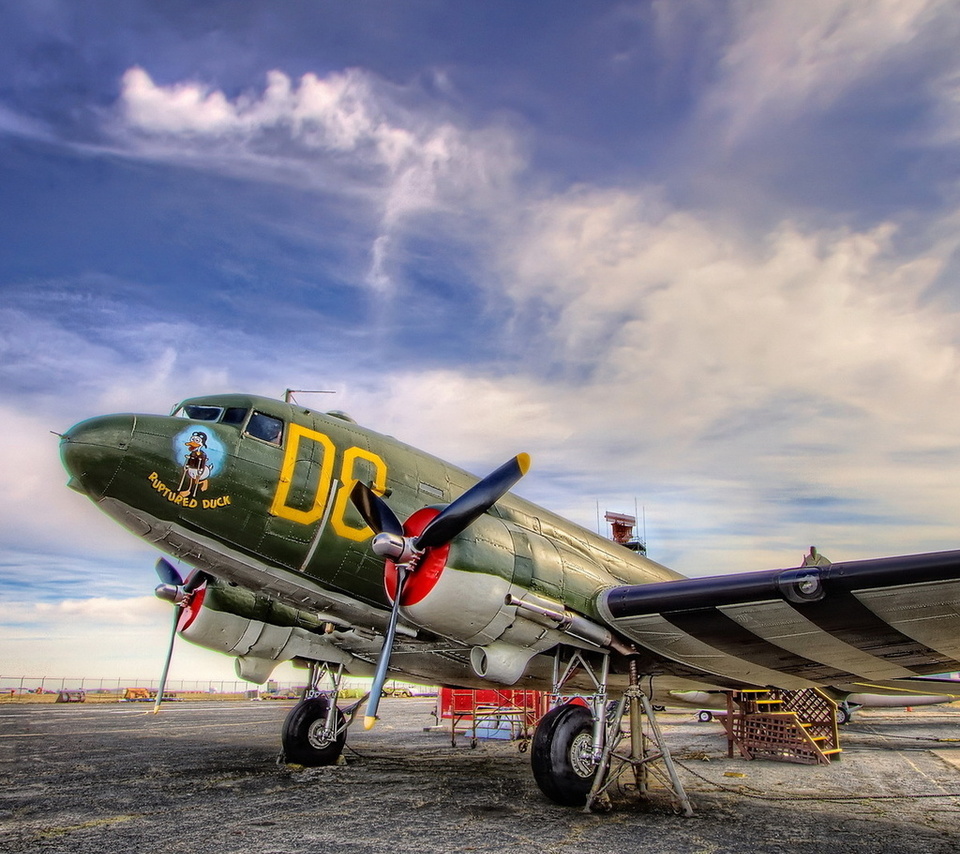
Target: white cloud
345, 133
38, 510
337, 114
76, 352
127, 612
784, 58
471, 419
712, 315
807, 366
102, 638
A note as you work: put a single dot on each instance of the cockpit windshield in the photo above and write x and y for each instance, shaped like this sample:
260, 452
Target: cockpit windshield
209, 412
252, 422
201, 413
234, 415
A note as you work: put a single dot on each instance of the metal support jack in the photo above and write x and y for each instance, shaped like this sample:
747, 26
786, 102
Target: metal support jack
646, 750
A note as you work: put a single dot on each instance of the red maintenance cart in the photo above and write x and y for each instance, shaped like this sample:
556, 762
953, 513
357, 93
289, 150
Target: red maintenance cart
502, 713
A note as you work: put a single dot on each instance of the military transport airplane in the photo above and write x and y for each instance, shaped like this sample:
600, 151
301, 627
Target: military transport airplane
314, 539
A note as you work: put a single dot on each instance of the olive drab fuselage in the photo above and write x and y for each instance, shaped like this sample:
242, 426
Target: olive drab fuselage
269, 482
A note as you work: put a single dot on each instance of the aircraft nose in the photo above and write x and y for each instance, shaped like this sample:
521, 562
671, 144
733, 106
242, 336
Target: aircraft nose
93, 450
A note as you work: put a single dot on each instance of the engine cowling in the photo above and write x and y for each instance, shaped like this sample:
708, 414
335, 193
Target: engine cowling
226, 620
473, 597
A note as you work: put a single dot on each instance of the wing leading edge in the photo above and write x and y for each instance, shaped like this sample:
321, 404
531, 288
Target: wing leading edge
880, 620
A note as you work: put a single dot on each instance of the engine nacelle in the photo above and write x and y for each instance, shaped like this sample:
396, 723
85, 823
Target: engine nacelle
481, 598
465, 602
259, 645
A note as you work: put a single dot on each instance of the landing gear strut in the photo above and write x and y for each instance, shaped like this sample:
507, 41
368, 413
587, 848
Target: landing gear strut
315, 730
575, 753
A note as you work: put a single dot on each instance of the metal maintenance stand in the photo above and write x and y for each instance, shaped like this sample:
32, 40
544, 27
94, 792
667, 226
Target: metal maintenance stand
647, 749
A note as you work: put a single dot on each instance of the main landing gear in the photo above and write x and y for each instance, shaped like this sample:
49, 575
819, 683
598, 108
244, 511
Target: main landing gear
316, 729
562, 754
576, 755
576, 752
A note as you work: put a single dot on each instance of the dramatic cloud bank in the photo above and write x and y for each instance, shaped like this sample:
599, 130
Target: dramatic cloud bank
697, 258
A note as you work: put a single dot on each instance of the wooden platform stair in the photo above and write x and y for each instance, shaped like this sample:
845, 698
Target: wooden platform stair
787, 726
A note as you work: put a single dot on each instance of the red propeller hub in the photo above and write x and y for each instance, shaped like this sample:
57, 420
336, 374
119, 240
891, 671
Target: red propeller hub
191, 607
429, 568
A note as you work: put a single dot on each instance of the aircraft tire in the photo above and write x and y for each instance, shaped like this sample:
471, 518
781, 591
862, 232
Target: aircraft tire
704, 716
560, 754
302, 736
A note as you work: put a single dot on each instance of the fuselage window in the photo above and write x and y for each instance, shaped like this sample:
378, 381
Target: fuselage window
203, 413
265, 427
234, 415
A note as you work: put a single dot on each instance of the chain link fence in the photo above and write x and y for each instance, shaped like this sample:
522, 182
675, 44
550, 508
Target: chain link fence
121, 688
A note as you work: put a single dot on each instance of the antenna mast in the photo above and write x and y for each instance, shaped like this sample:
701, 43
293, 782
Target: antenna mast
288, 395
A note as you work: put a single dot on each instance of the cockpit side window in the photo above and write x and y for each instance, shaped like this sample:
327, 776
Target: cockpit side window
234, 415
265, 427
202, 413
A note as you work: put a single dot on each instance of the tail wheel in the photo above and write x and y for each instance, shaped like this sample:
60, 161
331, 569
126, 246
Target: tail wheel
562, 755
306, 738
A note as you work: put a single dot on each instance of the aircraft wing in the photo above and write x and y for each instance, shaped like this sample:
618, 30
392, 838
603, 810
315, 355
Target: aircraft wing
880, 621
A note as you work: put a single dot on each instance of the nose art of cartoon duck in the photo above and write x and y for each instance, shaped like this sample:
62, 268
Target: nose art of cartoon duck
196, 467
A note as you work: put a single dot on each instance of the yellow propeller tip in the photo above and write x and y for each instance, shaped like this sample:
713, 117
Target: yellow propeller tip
368, 722
523, 460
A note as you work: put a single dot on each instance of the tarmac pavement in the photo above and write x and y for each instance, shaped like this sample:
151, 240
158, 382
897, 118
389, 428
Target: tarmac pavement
203, 776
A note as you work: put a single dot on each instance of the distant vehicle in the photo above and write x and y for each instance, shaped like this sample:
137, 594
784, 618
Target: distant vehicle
137, 695
397, 692
281, 695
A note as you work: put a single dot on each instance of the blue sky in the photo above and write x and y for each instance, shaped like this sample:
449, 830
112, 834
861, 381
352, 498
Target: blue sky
698, 257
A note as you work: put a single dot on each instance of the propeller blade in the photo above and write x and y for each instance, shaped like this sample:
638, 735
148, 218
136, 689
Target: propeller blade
166, 663
476, 501
168, 573
380, 677
375, 511
391, 542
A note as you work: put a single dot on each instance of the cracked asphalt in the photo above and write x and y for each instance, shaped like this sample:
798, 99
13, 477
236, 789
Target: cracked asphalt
204, 776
